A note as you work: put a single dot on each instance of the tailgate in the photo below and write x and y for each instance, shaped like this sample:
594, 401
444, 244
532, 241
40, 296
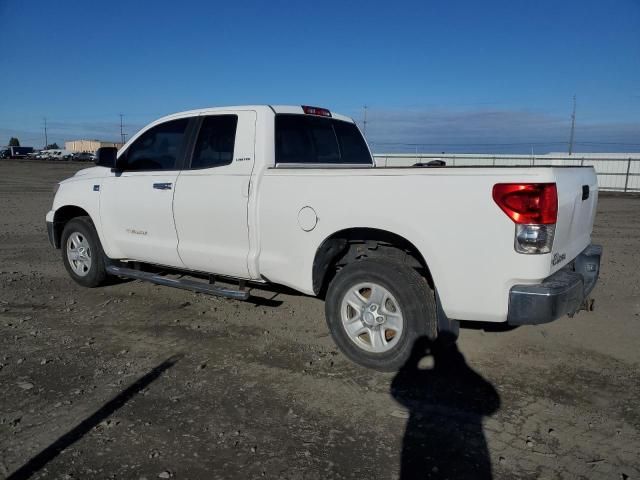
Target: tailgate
577, 201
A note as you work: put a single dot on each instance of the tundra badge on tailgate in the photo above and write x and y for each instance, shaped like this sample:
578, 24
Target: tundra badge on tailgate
558, 257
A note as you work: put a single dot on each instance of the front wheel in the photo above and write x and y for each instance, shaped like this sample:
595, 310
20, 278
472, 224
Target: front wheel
82, 252
377, 309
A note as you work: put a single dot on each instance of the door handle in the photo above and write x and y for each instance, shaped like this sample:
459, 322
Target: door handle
162, 186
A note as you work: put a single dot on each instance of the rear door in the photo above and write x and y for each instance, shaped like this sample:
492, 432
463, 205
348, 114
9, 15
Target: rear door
136, 204
212, 195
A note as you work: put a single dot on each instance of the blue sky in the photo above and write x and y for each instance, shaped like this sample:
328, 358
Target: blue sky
436, 75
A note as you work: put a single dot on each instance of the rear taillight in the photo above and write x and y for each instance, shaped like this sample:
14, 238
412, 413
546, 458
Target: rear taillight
323, 112
528, 202
533, 207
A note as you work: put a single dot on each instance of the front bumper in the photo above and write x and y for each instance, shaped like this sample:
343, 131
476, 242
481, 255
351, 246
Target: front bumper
563, 293
52, 237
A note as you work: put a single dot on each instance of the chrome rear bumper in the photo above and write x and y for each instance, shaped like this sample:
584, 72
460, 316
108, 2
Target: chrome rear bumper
563, 293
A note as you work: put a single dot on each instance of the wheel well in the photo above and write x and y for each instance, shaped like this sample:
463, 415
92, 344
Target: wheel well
62, 217
354, 244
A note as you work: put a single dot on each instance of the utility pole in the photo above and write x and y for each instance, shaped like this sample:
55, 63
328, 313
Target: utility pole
121, 132
46, 139
364, 122
573, 126
533, 158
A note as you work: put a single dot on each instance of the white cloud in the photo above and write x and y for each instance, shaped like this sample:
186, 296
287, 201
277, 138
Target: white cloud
499, 131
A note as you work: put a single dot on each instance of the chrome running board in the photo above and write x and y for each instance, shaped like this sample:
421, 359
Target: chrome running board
192, 285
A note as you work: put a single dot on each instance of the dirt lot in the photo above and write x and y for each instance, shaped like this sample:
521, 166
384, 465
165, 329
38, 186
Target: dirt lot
140, 381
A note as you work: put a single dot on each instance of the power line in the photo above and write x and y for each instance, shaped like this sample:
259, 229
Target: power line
463, 144
609, 143
519, 144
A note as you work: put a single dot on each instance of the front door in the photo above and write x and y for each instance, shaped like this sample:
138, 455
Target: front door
136, 203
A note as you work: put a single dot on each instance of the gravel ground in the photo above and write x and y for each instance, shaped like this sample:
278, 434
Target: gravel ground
139, 381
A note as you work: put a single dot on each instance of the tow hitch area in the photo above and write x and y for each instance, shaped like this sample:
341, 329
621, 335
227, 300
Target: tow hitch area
588, 305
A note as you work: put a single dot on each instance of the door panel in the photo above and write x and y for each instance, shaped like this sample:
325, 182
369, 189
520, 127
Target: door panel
210, 204
139, 218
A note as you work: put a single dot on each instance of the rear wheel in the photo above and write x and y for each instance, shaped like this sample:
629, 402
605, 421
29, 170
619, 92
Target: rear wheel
82, 253
376, 309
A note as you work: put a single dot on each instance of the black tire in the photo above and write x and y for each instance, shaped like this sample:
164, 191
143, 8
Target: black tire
415, 300
96, 273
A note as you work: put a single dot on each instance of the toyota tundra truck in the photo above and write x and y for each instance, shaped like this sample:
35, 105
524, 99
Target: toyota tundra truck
291, 196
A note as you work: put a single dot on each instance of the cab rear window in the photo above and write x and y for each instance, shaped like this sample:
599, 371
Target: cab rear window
307, 139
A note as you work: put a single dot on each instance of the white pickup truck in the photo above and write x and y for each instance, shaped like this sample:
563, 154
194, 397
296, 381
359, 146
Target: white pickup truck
291, 196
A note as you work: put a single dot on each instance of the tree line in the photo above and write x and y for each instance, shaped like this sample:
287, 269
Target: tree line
14, 142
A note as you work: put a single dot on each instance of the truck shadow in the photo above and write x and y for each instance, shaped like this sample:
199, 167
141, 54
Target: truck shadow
267, 294
447, 401
488, 326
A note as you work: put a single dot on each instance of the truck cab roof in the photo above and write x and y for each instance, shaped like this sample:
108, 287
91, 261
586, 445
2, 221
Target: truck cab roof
295, 109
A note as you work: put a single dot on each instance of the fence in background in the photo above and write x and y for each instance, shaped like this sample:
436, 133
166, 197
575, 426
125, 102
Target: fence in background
616, 172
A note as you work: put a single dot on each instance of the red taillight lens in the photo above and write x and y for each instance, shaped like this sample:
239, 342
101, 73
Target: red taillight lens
527, 203
323, 112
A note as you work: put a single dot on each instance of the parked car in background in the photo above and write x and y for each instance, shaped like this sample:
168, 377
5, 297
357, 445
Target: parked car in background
16, 152
55, 154
83, 157
46, 154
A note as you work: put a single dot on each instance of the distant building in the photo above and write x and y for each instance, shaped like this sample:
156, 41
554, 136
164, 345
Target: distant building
88, 145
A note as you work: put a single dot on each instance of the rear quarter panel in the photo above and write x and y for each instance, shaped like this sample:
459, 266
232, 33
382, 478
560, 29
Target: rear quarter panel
448, 214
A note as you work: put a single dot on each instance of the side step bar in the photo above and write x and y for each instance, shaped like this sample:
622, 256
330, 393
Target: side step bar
192, 285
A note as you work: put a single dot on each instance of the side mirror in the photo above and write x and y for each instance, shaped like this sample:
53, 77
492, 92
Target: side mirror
106, 157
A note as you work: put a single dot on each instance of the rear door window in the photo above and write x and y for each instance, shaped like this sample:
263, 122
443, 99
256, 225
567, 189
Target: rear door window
306, 139
215, 143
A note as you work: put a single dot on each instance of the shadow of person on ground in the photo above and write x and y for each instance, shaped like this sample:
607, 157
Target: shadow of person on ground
447, 401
